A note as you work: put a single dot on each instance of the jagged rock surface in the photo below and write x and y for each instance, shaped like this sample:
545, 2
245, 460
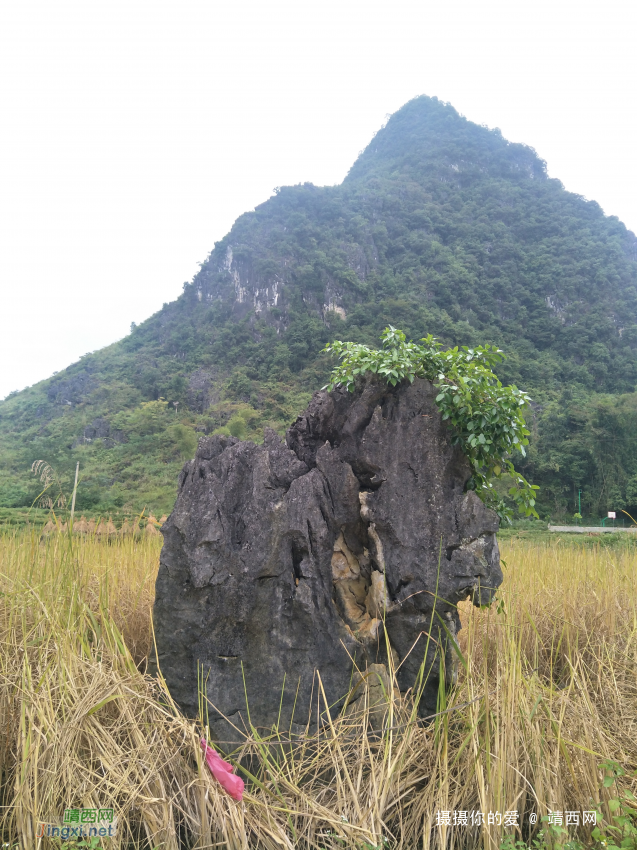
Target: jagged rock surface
283, 559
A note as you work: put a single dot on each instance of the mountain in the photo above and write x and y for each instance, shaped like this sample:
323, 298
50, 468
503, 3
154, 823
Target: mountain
441, 226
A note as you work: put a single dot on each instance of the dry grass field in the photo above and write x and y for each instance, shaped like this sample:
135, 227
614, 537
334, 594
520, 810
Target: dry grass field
543, 718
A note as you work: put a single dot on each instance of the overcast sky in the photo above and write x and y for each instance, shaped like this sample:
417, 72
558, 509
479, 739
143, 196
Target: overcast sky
134, 133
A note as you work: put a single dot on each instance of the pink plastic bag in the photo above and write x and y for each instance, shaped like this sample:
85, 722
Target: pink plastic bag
222, 772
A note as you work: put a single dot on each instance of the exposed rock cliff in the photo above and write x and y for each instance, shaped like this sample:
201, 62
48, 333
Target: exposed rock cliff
283, 559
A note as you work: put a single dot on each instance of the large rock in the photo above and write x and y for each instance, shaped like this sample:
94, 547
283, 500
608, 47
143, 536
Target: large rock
282, 560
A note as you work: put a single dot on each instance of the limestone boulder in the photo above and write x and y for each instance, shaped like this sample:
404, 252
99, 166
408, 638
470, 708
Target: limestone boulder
346, 545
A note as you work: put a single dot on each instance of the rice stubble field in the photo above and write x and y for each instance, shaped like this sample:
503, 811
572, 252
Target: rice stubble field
543, 717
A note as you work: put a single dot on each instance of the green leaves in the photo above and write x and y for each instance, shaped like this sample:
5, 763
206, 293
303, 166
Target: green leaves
486, 418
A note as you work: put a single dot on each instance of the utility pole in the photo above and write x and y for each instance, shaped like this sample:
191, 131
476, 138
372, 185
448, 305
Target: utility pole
77, 472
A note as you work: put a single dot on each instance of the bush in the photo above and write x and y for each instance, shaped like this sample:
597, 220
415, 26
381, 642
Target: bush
237, 427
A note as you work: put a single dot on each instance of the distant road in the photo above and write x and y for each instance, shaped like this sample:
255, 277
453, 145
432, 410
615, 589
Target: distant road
587, 529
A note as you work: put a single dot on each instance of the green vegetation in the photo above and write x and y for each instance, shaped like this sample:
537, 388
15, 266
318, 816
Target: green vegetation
486, 418
442, 227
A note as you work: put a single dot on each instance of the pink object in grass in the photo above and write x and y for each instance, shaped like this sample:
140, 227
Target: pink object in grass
222, 772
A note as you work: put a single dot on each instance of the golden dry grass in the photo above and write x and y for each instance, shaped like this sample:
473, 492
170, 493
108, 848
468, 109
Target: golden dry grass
547, 690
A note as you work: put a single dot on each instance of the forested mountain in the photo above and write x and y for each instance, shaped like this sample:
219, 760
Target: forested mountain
441, 226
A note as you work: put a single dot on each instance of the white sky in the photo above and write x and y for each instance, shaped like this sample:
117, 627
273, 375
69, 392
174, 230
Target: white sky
133, 133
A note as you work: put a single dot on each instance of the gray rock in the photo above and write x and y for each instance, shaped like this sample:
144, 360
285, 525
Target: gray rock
285, 559
203, 390
71, 387
100, 429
